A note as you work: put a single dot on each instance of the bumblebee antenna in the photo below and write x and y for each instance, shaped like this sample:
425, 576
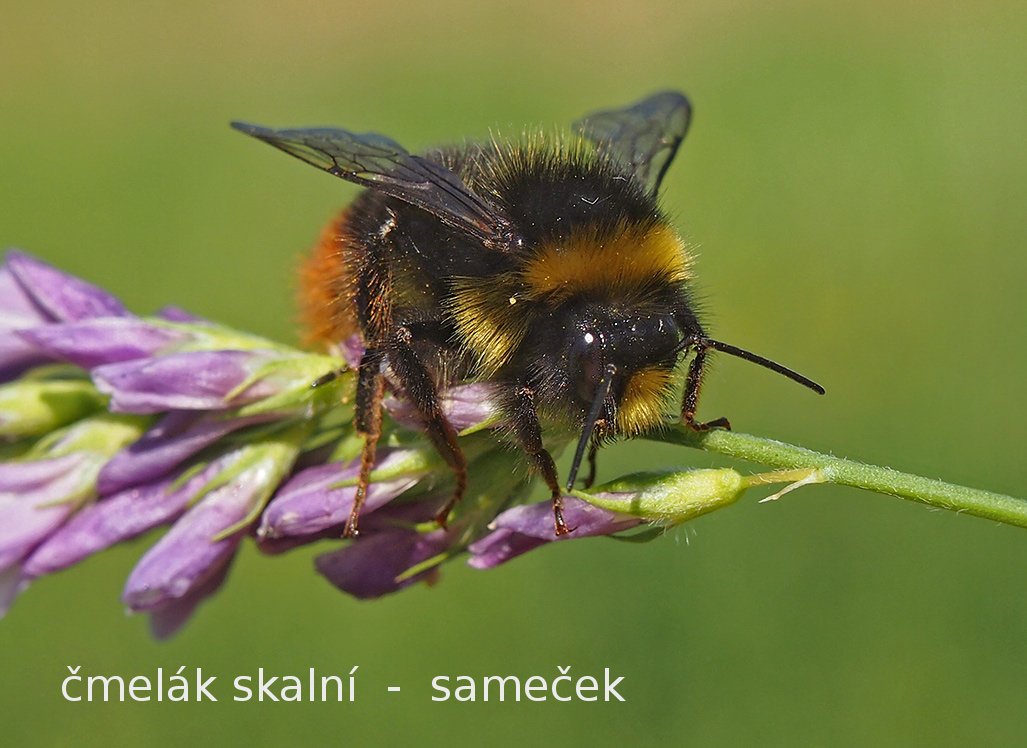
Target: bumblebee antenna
766, 363
590, 423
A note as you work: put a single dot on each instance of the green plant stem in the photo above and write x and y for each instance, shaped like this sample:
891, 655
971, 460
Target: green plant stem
844, 472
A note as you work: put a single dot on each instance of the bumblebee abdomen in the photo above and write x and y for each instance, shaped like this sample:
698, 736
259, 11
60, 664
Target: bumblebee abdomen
327, 286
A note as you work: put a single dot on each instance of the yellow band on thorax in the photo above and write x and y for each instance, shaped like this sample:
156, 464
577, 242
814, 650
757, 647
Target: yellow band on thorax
627, 260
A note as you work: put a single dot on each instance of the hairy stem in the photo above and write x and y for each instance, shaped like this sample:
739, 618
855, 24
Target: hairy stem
844, 472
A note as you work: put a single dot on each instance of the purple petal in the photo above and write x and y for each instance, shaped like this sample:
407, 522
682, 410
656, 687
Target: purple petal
111, 520
17, 356
29, 514
536, 520
469, 404
352, 350
183, 559
500, 546
273, 546
17, 312
177, 314
174, 439
368, 567
168, 619
308, 504
195, 380
464, 405
60, 296
406, 513
523, 528
107, 340
388, 517
11, 584
35, 475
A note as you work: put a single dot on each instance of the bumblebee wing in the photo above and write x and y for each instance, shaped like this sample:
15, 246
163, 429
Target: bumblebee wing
643, 137
381, 163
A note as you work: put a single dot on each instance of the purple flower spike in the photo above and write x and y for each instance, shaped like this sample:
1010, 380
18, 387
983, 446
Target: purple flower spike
174, 439
34, 501
94, 342
61, 297
194, 380
308, 504
368, 567
111, 520
524, 528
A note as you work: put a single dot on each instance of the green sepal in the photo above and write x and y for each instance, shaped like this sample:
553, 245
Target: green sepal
298, 371
273, 458
210, 336
103, 434
98, 438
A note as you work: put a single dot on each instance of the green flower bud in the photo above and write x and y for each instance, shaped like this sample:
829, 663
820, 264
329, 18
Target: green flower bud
32, 407
669, 497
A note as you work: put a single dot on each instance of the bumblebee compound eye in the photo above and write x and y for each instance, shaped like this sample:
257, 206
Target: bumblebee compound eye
629, 342
648, 340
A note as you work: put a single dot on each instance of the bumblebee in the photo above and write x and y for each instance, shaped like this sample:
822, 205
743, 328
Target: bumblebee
544, 266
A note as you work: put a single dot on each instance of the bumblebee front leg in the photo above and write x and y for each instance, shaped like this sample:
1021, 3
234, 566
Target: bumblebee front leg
368, 419
419, 388
528, 431
692, 386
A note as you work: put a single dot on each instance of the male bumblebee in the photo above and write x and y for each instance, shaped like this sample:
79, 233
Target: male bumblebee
543, 266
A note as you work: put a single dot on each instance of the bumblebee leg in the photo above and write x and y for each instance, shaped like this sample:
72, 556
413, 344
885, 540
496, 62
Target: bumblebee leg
419, 387
328, 378
591, 477
529, 433
692, 386
368, 418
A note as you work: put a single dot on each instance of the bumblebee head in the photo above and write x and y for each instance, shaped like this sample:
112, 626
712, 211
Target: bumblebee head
617, 365
609, 345
622, 363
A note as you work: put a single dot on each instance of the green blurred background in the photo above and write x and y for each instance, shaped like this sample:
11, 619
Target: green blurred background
855, 182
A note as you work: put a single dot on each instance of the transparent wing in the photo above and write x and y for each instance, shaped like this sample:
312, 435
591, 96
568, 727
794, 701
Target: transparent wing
644, 136
383, 164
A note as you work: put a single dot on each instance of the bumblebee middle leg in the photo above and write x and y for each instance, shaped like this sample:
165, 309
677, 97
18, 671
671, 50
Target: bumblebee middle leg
419, 388
368, 420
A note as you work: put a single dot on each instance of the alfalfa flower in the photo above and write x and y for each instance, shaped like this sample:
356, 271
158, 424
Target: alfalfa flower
220, 436
660, 500
53, 479
112, 425
34, 294
320, 497
201, 543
